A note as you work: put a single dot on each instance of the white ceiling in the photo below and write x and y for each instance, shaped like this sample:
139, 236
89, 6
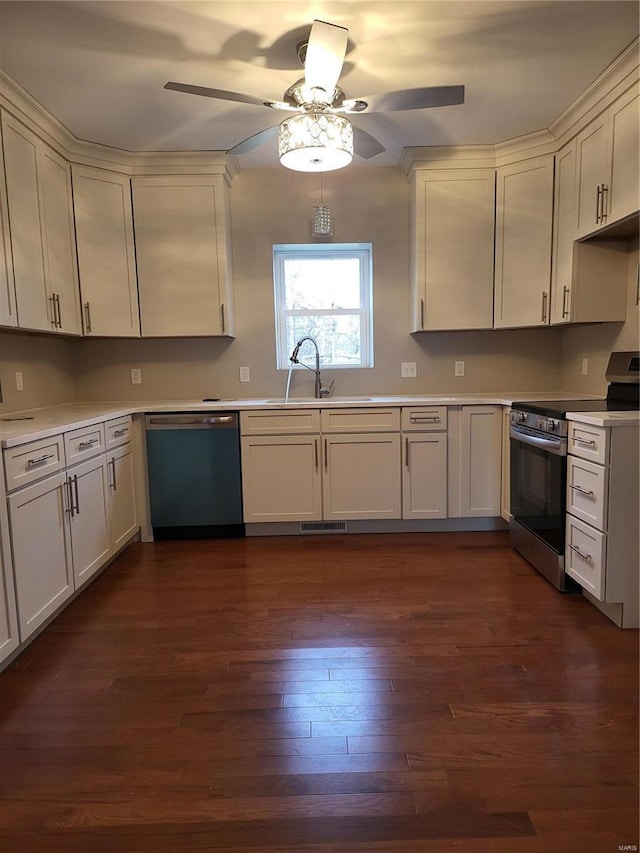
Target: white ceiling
100, 67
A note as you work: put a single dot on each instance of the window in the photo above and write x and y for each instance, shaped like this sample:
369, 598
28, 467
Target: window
324, 291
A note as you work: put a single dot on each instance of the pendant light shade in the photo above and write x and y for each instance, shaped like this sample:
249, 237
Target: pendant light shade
315, 142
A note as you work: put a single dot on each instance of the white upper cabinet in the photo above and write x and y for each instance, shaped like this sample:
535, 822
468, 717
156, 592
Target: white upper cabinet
8, 311
42, 232
607, 164
452, 249
106, 254
183, 255
524, 209
579, 271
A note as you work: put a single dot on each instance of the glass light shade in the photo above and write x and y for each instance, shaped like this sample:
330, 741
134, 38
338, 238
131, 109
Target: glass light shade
322, 221
315, 142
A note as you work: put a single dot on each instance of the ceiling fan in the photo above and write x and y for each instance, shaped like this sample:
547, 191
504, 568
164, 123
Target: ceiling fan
318, 137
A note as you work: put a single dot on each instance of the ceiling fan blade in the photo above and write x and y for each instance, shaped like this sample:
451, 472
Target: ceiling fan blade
408, 99
326, 50
254, 141
217, 93
366, 145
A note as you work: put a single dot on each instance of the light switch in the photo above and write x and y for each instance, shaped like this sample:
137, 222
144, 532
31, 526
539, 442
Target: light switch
408, 369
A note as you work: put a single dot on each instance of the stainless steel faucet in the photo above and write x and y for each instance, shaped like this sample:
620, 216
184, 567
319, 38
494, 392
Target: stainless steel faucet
319, 391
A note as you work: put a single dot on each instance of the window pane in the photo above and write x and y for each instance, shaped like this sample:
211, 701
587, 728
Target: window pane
318, 283
338, 337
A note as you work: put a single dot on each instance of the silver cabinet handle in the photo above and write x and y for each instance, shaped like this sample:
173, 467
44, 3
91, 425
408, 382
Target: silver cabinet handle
77, 494
585, 441
565, 293
406, 452
598, 197
422, 314
587, 557
32, 463
59, 310
544, 306
69, 485
122, 431
435, 419
582, 491
84, 444
315, 446
114, 484
604, 202
54, 315
87, 318
222, 316
326, 455
638, 285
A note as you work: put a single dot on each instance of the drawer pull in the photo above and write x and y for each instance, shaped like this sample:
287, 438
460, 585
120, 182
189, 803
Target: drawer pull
425, 420
83, 445
588, 442
41, 460
122, 431
583, 492
587, 557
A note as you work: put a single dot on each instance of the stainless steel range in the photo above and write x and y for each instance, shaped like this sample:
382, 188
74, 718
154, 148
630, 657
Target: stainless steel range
538, 447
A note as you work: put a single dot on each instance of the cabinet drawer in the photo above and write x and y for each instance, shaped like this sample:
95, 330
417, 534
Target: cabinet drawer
424, 418
585, 556
589, 442
280, 421
117, 431
360, 420
83, 443
587, 491
30, 462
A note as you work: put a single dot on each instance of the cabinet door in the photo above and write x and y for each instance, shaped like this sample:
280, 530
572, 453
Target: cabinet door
281, 479
8, 310
564, 232
362, 476
591, 153
35, 310
524, 209
182, 255
88, 518
586, 556
122, 490
8, 613
106, 258
61, 267
453, 224
623, 144
475, 455
42, 567
424, 476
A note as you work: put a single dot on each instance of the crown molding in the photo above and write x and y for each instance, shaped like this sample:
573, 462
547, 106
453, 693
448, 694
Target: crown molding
446, 157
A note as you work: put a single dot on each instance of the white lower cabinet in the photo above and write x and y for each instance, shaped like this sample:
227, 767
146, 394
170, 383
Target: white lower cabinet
362, 476
122, 496
42, 565
9, 638
88, 515
602, 549
281, 478
475, 455
424, 475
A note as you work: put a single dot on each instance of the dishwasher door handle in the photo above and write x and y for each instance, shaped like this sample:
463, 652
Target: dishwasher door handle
192, 420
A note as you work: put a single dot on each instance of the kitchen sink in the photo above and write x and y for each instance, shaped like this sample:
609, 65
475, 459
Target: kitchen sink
297, 400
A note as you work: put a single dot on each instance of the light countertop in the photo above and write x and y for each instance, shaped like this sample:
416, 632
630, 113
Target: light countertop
19, 427
606, 419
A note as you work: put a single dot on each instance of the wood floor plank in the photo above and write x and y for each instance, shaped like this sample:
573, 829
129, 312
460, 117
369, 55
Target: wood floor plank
322, 695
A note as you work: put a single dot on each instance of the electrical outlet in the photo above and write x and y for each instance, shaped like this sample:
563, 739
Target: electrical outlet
245, 374
136, 376
19, 382
585, 366
408, 369
459, 368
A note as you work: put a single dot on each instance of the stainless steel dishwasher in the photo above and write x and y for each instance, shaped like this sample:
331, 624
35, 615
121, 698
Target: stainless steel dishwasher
195, 482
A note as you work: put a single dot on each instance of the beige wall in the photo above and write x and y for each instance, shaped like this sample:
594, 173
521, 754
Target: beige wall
47, 367
596, 342
275, 206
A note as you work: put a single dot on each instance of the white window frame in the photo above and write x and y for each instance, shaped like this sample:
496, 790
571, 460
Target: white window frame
364, 253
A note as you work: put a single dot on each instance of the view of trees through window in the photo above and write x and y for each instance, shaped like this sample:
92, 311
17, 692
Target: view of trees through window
324, 293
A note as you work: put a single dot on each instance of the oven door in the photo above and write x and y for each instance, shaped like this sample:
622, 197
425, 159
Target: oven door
538, 484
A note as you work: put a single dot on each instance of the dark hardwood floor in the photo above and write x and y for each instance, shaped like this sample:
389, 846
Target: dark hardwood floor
419, 693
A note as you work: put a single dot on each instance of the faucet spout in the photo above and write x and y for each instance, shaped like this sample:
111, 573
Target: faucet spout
294, 358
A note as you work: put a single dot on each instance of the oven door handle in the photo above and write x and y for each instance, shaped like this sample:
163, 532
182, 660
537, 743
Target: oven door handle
558, 446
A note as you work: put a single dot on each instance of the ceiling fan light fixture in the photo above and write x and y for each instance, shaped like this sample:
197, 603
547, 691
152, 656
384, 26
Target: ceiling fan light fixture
315, 142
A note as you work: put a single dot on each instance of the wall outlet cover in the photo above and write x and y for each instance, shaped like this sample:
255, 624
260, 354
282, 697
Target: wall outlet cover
459, 368
136, 376
245, 374
19, 382
408, 369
